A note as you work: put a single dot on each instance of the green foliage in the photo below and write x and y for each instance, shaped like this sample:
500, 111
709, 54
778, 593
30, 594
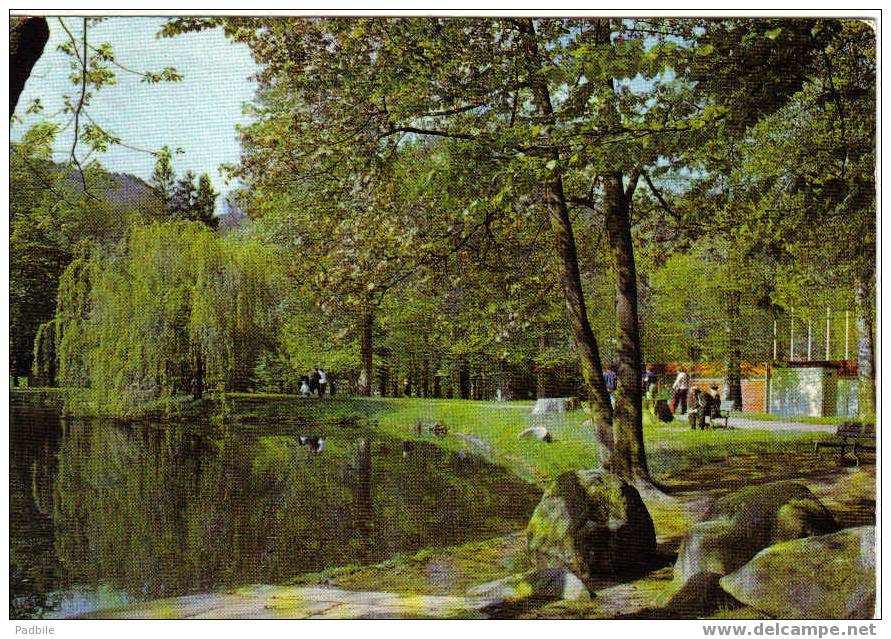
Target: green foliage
205, 202
190, 200
49, 218
178, 302
163, 178
399, 165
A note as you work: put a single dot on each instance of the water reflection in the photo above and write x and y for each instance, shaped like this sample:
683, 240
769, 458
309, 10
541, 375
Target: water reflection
106, 512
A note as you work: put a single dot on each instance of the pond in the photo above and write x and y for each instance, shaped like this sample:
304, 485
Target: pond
105, 513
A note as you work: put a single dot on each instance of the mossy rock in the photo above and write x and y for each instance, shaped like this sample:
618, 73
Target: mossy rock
741, 524
822, 577
592, 524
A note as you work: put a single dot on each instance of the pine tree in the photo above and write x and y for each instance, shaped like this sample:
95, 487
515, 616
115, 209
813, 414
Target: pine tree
183, 198
163, 177
205, 202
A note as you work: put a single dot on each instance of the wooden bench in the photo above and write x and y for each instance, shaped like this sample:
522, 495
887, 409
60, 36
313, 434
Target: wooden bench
859, 437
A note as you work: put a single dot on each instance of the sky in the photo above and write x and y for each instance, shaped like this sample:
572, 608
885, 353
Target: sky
198, 114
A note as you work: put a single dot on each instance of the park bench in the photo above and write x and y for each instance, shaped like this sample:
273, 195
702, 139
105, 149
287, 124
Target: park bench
859, 437
724, 413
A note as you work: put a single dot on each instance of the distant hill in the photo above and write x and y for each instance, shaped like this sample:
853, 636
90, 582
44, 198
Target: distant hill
131, 192
124, 189
127, 190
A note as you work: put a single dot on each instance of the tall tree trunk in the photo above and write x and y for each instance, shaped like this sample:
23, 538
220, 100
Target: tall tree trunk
866, 372
600, 408
464, 381
366, 351
630, 456
383, 373
541, 372
734, 351
27, 38
198, 387
425, 377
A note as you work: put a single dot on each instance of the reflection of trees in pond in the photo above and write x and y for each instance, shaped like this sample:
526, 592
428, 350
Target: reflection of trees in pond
364, 504
163, 511
32, 566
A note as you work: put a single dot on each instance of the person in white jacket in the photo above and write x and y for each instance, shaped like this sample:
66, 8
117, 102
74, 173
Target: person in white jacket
679, 390
323, 382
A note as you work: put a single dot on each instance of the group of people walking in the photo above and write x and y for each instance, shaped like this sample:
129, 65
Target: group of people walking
316, 383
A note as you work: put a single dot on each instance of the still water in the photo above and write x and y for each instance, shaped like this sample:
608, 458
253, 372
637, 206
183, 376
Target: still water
104, 514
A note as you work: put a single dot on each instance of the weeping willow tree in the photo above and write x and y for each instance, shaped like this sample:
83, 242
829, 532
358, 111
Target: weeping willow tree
175, 309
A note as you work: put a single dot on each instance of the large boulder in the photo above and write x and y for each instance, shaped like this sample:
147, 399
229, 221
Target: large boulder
825, 577
592, 523
741, 524
555, 405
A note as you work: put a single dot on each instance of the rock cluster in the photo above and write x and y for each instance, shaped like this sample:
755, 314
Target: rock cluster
777, 549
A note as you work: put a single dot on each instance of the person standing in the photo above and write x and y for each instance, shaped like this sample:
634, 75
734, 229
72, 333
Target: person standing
715, 408
323, 382
304, 387
610, 381
679, 390
648, 384
314, 381
695, 416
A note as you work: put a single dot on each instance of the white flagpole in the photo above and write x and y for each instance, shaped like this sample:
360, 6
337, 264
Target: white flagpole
827, 334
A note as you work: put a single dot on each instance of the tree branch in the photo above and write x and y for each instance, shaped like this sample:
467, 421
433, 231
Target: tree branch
455, 111
632, 184
434, 132
80, 106
658, 195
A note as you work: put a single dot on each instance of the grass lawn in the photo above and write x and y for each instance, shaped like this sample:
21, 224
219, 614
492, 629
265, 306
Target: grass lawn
491, 429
